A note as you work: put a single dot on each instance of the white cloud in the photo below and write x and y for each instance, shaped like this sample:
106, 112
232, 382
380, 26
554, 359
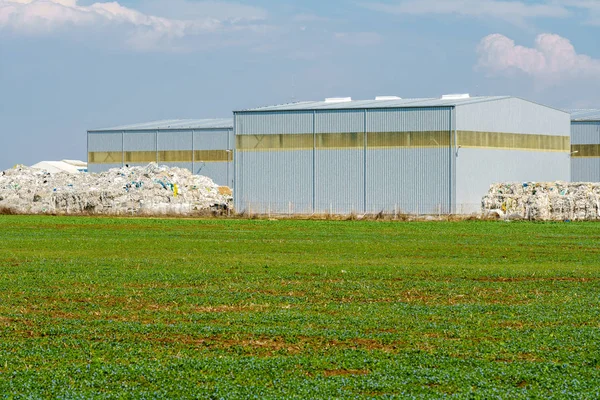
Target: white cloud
553, 58
517, 12
512, 11
142, 31
186, 9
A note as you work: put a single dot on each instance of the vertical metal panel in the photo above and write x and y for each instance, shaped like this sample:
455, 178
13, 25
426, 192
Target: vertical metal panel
412, 179
273, 123
339, 161
585, 133
139, 141
104, 142
273, 180
230, 165
477, 169
512, 115
585, 169
409, 119
174, 140
407, 179
211, 139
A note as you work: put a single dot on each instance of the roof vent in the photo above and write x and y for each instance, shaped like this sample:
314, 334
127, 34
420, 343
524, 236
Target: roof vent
338, 99
456, 96
383, 98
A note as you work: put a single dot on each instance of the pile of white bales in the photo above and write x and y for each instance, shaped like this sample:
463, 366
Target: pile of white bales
547, 201
150, 190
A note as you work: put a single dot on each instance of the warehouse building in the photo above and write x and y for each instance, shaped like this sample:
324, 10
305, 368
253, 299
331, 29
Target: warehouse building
423, 156
203, 146
585, 145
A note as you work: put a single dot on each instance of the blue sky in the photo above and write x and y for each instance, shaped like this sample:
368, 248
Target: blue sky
67, 66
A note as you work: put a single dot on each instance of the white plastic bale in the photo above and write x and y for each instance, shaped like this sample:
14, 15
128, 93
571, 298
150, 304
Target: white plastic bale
146, 190
544, 201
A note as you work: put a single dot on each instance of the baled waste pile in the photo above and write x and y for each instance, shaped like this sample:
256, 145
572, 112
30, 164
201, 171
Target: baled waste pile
150, 190
549, 201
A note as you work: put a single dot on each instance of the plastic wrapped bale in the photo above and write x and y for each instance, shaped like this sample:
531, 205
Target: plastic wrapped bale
150, 190
544, 201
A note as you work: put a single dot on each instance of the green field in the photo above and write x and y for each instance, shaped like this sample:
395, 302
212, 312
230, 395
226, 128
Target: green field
160, 308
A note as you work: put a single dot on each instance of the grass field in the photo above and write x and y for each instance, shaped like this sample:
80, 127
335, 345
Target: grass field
122, 308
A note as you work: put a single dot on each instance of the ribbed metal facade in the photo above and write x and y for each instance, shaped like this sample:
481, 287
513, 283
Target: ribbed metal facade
585, 159
207, 151
423, 156
524, 142
344, 161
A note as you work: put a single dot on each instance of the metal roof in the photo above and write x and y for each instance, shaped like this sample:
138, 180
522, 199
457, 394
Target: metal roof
362, 104
174, 124
585, 115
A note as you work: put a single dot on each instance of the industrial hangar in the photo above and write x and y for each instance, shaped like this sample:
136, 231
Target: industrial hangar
585, 145
343, 156
204, 146
423, 156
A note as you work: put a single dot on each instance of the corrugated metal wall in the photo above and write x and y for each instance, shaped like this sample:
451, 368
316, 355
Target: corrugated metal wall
485, 158
206, 152
270, 178
344, 161
512, 115
585, 159
411, 178
340, 161
109, 143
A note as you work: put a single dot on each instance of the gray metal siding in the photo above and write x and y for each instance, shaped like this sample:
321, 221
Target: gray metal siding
175, 140
105, 141
273, 123
585, 133
212, 140
140, 141
512, 115
274, 181
339, 173
585, 169
278, 181
409, 120
406, 179
477, 169
411, 180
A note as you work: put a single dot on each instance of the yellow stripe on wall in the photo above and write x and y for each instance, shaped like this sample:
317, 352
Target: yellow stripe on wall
213, 155
169, 156
105, 157
585, 150
513, 141
427, 139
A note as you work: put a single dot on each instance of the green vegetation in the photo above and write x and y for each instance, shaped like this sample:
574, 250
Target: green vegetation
121, 308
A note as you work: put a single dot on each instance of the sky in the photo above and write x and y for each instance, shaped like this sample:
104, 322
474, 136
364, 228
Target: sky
67, 66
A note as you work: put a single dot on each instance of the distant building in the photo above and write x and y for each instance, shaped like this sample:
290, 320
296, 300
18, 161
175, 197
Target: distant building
203, 146
71, 166
585, 145
426, 156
